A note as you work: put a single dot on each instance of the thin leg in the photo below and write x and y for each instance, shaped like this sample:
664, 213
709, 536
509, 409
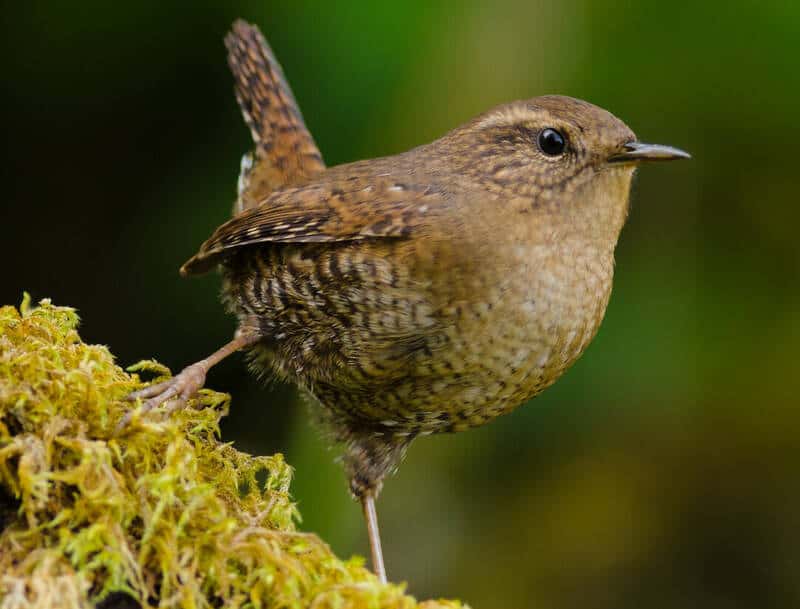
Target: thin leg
368, 505
184, 385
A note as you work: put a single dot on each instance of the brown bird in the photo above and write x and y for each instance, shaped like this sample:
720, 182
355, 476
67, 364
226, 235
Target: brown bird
420, 293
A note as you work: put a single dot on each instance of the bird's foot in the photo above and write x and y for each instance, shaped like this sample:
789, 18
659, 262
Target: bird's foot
177, 390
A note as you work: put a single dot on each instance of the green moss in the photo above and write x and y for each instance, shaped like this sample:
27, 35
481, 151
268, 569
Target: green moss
165, 513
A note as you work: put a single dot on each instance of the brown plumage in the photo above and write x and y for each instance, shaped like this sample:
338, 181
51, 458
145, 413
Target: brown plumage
285, 152
429, 291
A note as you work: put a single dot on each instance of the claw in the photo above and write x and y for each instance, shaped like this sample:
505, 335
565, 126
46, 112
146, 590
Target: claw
149, 392
178, 389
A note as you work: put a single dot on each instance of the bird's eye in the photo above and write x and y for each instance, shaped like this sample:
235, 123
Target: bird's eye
551, 142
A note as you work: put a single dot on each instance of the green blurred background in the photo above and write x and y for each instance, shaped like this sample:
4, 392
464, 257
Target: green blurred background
662, 470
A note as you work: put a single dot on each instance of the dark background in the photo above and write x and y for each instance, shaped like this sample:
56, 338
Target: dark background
662, 470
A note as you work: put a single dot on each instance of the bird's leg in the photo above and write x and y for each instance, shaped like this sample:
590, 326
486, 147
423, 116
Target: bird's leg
371, 516
189, 381
370, 455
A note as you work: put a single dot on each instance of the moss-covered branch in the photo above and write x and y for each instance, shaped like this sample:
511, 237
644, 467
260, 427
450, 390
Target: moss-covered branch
165, 515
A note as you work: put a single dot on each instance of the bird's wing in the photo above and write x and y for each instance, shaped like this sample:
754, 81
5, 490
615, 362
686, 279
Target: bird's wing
322, 212
285, 151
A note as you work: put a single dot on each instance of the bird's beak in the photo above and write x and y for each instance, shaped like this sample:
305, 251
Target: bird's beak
635, 152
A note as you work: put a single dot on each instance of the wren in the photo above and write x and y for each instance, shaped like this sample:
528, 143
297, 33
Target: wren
421, 293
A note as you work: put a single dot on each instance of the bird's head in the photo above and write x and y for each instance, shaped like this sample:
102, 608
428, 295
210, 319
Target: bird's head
563, 156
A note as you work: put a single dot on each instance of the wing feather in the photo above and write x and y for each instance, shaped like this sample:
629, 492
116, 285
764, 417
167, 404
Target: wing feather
327, 211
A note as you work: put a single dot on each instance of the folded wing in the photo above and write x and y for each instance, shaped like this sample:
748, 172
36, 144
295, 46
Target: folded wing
348, 209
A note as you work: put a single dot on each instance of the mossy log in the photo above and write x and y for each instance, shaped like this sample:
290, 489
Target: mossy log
164, 515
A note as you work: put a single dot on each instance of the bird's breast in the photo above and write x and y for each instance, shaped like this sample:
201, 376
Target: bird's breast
524, 330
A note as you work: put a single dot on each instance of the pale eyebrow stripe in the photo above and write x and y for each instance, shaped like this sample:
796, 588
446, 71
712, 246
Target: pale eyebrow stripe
504, 116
